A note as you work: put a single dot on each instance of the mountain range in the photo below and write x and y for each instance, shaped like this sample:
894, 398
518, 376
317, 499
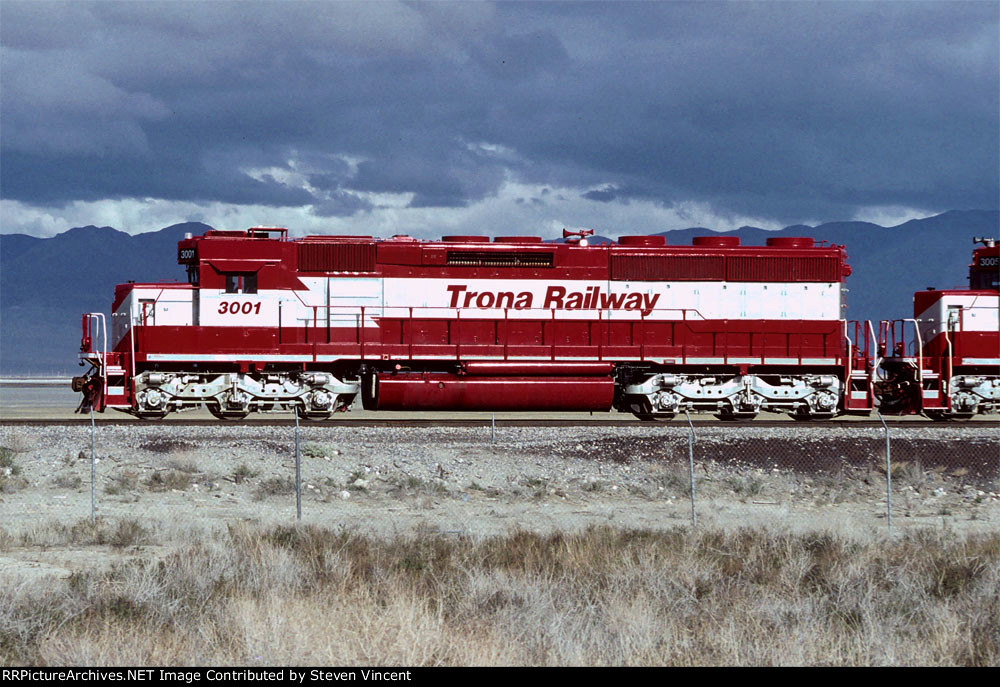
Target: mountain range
47, 283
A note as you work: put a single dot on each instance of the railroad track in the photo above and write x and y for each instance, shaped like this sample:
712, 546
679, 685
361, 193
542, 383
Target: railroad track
972, 425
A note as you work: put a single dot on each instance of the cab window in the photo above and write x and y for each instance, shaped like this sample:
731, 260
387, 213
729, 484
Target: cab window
241, 282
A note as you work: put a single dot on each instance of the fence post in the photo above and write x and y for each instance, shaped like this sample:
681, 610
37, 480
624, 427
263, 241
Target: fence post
93, 471
888, 471
691, 439
298, 471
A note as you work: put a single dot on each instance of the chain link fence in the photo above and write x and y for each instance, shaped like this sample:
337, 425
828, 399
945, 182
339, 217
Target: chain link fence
493, 478
851, 479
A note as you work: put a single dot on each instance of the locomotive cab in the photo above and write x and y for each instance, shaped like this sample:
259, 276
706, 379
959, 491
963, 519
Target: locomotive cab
210, 341
984, 271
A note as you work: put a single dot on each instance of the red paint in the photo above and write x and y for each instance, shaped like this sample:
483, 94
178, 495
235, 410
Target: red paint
973, 345
467, 340
537, 369
790, 242
716, 241
277, 261
450, 392
643, 241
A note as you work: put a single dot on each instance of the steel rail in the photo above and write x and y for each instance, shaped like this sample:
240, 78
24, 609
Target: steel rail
969, 425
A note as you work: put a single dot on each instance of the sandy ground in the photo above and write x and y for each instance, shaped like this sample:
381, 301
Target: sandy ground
182, 483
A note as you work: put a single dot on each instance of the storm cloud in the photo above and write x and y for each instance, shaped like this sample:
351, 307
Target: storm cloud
787, 112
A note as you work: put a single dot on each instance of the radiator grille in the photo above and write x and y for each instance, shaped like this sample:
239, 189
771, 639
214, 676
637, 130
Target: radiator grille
336, 257
667, 267
728, 268
498, 259
782, 269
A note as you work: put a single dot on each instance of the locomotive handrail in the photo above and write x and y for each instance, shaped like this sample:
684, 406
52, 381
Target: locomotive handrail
889, 342
104, 333
357, 317
946, 383
685, 312
878, 359
102, 357
860, 338
920, 351
131, 339
850, 358
551, 312
887, 336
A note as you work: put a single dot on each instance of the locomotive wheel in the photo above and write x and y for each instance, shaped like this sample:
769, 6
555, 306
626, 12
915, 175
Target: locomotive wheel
369, 391
218, 412
313, 415
655, 417
644, 411
151, 416
736, 417
807, 417
945, 416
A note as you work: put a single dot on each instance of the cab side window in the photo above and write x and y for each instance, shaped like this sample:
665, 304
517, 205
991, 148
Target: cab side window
241, 282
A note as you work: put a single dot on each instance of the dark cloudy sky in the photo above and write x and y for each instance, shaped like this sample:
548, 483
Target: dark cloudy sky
430, 118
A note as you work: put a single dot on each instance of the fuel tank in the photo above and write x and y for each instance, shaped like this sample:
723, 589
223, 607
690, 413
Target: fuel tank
443, 391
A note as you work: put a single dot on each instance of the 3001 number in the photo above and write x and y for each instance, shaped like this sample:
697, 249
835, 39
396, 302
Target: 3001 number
235, 308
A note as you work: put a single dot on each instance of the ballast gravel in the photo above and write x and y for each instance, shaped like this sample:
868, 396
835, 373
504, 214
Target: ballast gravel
465, 480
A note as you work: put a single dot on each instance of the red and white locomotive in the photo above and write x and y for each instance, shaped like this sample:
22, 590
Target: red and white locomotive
945, 361
265, 322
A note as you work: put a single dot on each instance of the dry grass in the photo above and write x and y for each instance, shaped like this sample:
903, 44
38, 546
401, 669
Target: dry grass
274, 486
243, 473
305, 595
19, 441
68, 481
124, 482
118, 534
10, 472
169, 480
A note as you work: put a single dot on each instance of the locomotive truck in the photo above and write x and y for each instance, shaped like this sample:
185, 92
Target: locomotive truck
265, 322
